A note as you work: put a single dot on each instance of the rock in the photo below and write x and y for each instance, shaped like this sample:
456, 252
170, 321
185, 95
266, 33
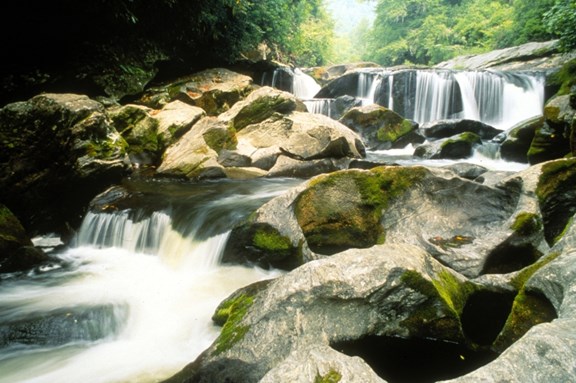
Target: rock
214, 90
175, 119
552, 139
457, 147
323, 75
61, 150
260, 105
269, 238
16, 250
518, 139
449, 128
379, 291
380, 128
530, 56
140, 131
291, 167
195, 155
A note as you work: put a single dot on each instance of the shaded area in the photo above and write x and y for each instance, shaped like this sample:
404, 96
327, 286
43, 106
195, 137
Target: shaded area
485, 314
399, 360
509, 258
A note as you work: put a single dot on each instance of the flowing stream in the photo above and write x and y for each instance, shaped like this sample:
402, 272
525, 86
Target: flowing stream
132, 299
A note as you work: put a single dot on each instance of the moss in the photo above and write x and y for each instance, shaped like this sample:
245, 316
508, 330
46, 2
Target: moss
271, 240
262, 108
469, 137
528, 310
343, 209
553, 175
220, 139
392, 132
439, 315
332, 376
522, 277
565, 78
231, 312
527, 224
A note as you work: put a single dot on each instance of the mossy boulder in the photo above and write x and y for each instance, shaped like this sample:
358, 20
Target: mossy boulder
343, 210
59, 151
556, 192
260, 105
214, 90
140, 132
553, 139
195, 155
457, 147
518, 139
380, 127
16, 250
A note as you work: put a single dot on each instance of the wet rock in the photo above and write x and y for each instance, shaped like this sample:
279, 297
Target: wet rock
60, 151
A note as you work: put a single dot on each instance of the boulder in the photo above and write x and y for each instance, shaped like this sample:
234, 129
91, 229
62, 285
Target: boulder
255, 133
518, 139
60, 151
449, 128
214, 90
175, 119
457, 147
380, 127
195, 155
17, 252
552, 139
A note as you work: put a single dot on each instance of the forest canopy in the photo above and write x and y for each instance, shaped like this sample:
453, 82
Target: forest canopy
101, 41
431, 31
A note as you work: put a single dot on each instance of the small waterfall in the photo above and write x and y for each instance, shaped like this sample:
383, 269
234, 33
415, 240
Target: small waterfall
436, 97
319, 106
304, 86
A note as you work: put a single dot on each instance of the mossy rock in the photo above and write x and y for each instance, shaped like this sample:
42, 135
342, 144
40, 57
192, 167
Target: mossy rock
221, 138
12, 233
342, 210
331, 376
230, 313
377, 125
262, 244
526, 224
438, 315
556, 192
564, 79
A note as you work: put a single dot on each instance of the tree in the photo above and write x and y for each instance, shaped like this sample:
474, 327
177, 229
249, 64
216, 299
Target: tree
560, 20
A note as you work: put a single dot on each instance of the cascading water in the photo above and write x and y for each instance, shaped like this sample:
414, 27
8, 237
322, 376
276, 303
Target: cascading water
131, 300
304, 86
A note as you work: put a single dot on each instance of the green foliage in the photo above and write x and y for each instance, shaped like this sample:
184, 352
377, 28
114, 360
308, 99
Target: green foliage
560, 20
431, 31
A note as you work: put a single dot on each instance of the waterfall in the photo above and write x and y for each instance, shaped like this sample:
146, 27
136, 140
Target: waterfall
304, 86
131, 300
500, 99
319, 106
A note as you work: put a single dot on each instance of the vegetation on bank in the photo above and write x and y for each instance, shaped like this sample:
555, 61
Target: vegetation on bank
431, 31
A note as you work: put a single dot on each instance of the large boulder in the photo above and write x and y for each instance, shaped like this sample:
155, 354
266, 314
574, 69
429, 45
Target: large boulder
517, 140
457, 147
448, 128
60, 150
249, 139
214, 90
380, 127
552, 139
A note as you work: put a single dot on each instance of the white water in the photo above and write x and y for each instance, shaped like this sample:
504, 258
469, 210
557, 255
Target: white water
130, 302
304, 86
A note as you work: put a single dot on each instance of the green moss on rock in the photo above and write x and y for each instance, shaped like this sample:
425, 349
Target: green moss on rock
232, 312
332, 376
438, 316
219, 139
271, 240
343, 209
527, 224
